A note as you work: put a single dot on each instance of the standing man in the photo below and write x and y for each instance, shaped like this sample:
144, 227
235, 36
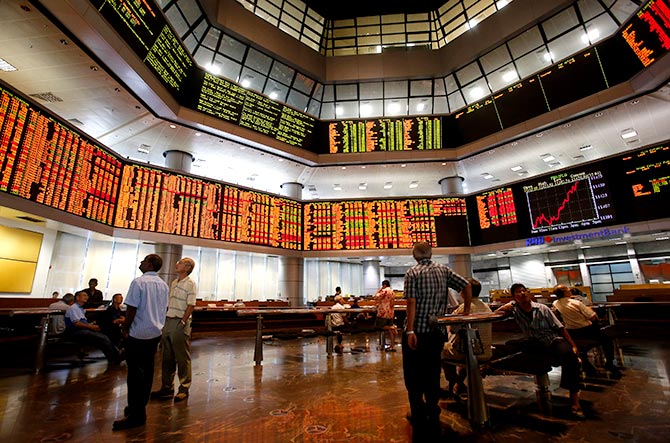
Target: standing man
146, 302
386, 313
426, 289
94, 295
175, 340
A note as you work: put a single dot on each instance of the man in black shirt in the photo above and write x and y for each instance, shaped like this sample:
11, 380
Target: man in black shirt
94, 295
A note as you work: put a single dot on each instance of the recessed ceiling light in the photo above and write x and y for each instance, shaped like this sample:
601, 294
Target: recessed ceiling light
517, 168
197, 134
363, 167
388, 185
414, 184
578, 157
403, 165
344, 167
554, 164
280, 160
548, 158
663, 238
628, 133
567, 125
553, 250
620, 243
444, 163
173, 126
487, 176
5, 66
598, 114
540, 134
522, 173
337, 187
362, 186
586, 148
242, 148
143, 150
492, 254
585, 247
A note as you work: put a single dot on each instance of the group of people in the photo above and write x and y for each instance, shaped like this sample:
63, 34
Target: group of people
155, 313
426, 289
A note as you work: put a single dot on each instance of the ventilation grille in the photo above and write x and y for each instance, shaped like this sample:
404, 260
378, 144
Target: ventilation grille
76, 121
47, 97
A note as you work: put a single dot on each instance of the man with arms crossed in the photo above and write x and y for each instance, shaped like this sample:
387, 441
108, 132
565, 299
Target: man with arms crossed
175, 341
146, 302
426, 289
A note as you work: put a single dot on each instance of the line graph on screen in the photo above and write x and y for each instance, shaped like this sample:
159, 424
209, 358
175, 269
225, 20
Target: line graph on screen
562, 204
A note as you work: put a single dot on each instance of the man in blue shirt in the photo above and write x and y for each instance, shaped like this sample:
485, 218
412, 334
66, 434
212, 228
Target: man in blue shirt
426, 290
80, 330
146, 302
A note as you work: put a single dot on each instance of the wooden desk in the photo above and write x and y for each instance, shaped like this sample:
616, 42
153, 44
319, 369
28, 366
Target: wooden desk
478, 413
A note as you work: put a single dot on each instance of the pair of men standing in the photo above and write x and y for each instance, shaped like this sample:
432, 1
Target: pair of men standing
157, 314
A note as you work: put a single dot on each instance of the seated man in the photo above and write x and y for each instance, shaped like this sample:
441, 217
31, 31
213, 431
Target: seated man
80, 330
546, 338
113, 318
338, 321
454, 348
57, 322
582, 323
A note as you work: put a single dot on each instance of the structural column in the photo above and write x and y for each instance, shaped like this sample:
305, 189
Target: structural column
170, 253
452, 186
371, 276
291, 269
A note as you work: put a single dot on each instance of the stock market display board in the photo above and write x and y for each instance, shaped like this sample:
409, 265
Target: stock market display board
47, 162
228, 101
144, 28
384, 224
388, 134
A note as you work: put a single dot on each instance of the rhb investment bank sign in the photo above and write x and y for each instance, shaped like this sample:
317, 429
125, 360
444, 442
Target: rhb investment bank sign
556, 239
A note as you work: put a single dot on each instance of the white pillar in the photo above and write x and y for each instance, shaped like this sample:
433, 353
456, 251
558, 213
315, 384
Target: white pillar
170, 253
371, 276
452, 186
291, 269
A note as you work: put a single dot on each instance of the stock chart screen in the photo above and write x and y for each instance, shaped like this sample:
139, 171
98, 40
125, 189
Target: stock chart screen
571, 200
642, 183
384, 224
49, 163
385, 134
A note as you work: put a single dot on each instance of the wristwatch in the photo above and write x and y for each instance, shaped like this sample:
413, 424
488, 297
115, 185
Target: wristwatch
409, 332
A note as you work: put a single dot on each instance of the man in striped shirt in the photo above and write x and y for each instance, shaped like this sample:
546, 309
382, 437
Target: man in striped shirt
426, 289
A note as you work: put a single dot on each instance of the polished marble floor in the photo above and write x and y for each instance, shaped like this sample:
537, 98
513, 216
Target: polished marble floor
299, 395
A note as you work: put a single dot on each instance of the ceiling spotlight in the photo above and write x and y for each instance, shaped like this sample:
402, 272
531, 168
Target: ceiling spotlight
344, 167
362, 186
93, 68
516, 168
63, 42
173, 126
388, 185
487, 176
414, 185
628, 133
197, 134
598, 114
337, 187
403, 165
363, 167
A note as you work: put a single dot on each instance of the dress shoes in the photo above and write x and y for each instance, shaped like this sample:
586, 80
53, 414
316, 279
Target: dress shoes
162, 394
127, 423
181, 396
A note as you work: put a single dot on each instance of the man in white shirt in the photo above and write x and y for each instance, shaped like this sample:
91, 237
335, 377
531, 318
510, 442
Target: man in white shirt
57, 322
175, 340
582, 324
